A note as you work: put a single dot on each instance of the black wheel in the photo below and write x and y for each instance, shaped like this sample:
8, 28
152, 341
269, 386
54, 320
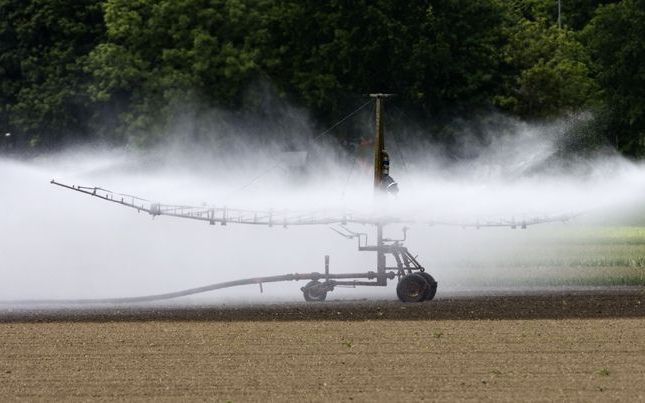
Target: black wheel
314, 291
432, 286
412, 288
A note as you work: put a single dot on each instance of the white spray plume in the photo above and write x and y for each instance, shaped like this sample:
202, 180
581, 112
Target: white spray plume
60, 244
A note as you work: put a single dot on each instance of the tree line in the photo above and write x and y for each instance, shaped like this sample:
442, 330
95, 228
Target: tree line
120, 71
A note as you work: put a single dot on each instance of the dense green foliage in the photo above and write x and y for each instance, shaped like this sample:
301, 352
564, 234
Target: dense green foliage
616, 40
550, 73
43, 47
124, 70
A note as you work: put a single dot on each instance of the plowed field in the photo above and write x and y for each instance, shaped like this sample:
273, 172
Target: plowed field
587, 346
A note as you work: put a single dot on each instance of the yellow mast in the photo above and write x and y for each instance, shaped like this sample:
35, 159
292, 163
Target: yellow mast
378, 143
379, 149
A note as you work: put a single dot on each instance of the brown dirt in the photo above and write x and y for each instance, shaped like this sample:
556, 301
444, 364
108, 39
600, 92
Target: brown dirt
349, 352
621, 302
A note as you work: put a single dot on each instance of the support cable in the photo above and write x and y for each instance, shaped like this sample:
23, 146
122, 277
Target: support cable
277, 164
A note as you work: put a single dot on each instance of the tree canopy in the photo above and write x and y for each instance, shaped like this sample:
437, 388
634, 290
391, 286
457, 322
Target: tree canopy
615, 39
123, 70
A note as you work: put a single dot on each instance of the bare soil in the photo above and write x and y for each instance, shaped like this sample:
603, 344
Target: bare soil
580, 346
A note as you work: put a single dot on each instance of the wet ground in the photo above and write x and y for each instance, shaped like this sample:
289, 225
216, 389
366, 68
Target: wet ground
552, 303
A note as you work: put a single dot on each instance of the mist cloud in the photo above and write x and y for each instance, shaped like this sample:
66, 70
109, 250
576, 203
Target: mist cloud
59, 244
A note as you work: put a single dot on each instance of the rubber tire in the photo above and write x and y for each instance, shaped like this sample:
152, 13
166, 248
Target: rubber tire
432, 286
412, 288
309, 297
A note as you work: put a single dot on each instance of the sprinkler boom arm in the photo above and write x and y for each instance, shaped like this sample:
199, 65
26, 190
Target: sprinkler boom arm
284, 218
224, 215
